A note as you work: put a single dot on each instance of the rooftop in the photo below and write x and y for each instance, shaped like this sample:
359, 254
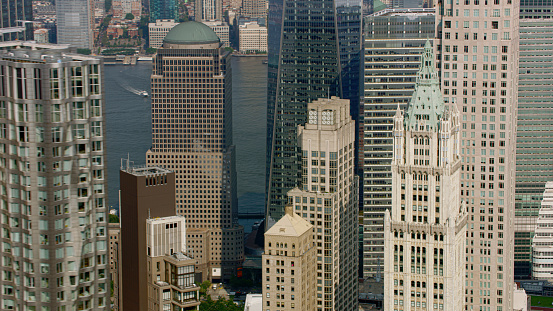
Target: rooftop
164, 219
291, 224
144, 170
405, 12
191, 33
30, 51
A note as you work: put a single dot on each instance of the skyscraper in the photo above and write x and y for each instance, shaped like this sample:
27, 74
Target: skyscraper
479, 72
145, 192
75, 21
16, 20
328, 197
394, 42
52, 157
314, 51
208, 10
535, 120
164, 9
192, 135
424, 234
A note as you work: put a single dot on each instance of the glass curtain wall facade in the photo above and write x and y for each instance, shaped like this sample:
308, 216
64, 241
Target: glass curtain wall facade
534, 125
164, 9
314, 50
75, 22
12, 12
394, 42
53, 180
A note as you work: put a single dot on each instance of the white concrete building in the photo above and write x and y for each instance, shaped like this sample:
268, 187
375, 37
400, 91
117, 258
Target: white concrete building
158, 30
166, 235
542, 244
328, 198
252, 38
424, 233
221, 29
520, 299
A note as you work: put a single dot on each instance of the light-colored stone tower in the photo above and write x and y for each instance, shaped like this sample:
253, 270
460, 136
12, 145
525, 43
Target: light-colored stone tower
479, 73
192, 136
328, 198
289, 265
52, 179
424, 235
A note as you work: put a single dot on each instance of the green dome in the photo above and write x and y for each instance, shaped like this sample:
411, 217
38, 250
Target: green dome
191, 33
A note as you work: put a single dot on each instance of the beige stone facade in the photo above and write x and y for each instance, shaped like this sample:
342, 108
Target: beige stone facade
479, 73
328, 199
158, 30
253, 38
192, 136
171, 273
424, 232
114, 239
289, 264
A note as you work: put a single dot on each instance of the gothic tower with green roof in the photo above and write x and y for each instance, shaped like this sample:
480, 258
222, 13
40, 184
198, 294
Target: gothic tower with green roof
424, 232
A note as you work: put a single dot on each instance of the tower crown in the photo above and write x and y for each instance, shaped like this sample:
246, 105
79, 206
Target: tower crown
426, 106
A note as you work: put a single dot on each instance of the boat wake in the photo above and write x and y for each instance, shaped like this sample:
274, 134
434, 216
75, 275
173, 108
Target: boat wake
133, 90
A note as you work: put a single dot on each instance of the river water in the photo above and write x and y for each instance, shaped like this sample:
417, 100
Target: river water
128, 126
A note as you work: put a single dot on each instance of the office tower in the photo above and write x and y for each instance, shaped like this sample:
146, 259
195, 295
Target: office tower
479, 72
208, 10
54, 250
75, 20
170, 271
542, 243
394, 43
289, 264
254, 8
164, 9
146, 192
424, 235
192, 135
16, 20
114, 238
328, 198
535, 119
313, 52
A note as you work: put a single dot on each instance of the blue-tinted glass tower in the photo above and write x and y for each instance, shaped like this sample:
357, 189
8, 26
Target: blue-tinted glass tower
314, 49
164, 9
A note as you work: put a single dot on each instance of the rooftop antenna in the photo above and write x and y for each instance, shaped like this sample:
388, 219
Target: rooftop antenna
149, 217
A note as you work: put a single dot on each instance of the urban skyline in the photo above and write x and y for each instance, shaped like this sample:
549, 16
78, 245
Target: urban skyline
348, 96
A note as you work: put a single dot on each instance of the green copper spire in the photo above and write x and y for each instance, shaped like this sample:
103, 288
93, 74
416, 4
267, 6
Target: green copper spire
427, 105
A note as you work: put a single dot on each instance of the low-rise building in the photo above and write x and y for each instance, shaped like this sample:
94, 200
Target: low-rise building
158, 30
252, 37
221, 29
542, 244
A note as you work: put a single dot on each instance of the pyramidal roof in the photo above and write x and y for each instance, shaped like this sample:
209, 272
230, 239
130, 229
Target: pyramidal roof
291, 224
427, 105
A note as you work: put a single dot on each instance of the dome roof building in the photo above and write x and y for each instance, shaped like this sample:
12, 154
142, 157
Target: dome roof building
191, 33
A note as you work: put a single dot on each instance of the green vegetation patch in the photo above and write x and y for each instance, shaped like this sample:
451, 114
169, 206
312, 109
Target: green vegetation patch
542, 301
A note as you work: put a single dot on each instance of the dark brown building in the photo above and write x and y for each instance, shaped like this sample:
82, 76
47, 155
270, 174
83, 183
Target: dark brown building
145, 192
